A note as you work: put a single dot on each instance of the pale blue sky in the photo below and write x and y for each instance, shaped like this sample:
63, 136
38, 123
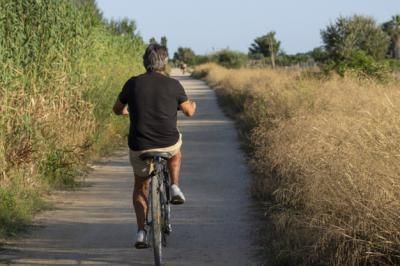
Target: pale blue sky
209, 25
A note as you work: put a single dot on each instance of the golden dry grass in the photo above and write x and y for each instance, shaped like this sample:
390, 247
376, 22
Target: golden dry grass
327, 152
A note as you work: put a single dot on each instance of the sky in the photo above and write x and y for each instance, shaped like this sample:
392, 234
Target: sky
210, 25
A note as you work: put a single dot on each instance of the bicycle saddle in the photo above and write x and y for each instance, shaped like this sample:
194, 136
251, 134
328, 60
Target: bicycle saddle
154, 154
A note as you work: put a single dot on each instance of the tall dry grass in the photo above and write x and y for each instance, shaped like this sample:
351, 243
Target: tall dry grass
61, 70
326, 153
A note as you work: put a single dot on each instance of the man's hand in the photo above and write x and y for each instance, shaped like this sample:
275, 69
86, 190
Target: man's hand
188, 108
125, 111
120, 108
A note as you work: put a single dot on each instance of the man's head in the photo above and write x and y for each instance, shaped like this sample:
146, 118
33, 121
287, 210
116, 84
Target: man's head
155, 58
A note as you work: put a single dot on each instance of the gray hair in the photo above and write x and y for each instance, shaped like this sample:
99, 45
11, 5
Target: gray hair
155, 58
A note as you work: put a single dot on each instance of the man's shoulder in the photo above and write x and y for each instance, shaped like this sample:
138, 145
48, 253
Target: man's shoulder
131, 80
161, 79
165, 79
174, 82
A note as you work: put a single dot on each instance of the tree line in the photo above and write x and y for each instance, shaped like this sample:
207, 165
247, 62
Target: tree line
349, 42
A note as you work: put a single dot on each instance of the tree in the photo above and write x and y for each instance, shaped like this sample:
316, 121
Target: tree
349, 35
319, 54
124, 27
164, 41
266, 45
392, 28
185, 55
153, 40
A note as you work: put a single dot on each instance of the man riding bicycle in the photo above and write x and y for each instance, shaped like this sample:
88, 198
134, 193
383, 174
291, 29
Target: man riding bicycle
153, 100
183, 67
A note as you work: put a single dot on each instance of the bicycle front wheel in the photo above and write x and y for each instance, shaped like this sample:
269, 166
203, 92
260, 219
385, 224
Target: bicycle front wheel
156, 219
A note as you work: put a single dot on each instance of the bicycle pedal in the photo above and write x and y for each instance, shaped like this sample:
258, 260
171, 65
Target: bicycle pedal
141, 245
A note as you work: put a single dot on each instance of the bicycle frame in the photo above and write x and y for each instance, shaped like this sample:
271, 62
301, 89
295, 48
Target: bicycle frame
159, 184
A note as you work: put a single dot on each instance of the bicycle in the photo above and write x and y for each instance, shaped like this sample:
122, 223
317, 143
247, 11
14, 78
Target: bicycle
158, 213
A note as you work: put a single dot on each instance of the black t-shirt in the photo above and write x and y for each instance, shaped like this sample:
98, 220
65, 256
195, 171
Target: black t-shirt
153, 100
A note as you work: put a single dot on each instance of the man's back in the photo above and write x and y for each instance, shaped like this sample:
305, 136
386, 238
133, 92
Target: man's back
153, 101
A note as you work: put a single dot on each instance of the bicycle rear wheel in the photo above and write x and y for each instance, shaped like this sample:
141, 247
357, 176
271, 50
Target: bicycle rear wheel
156, 219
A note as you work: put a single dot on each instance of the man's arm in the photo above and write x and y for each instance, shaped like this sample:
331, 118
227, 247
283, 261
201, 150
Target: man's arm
188, 108
120, 108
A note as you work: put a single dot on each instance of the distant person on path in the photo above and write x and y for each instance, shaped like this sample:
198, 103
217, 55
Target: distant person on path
153, 100
183, 67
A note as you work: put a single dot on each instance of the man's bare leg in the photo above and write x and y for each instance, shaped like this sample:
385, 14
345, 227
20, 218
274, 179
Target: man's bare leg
141, 189
174, 167
140, 193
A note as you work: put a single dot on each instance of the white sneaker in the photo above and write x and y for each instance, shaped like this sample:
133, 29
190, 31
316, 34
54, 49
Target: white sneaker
177, 195
141, 239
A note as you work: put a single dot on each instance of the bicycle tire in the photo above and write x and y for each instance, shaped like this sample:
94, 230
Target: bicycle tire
164, 218
165, 208
156, 220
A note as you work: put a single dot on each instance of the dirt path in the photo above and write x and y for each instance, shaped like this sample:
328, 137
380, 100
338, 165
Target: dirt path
95, 226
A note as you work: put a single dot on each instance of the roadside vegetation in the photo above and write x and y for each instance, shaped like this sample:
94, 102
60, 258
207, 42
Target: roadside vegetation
326, 157
350, 43
324, 144
61, 69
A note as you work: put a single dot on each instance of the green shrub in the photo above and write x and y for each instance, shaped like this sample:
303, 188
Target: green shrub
201, 59
16, 206
58, 169
230, 59
362, 65
394, 64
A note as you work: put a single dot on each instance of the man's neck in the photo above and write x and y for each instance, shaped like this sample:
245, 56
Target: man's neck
157, 71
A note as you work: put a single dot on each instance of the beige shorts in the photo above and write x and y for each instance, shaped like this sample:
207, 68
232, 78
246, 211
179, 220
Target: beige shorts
144, 168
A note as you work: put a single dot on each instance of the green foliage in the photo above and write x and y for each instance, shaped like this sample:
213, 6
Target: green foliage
62, 68
153, 40
286, 60
392, 28
41, 37
394, 64
164, 41
348, 35
124, 27
184, 55
58, 168
319, 55
392, 25
297, 59
9, 216
230, 59
201, 59
16, 205
94, 15
356, 44
362, 65
265, 46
